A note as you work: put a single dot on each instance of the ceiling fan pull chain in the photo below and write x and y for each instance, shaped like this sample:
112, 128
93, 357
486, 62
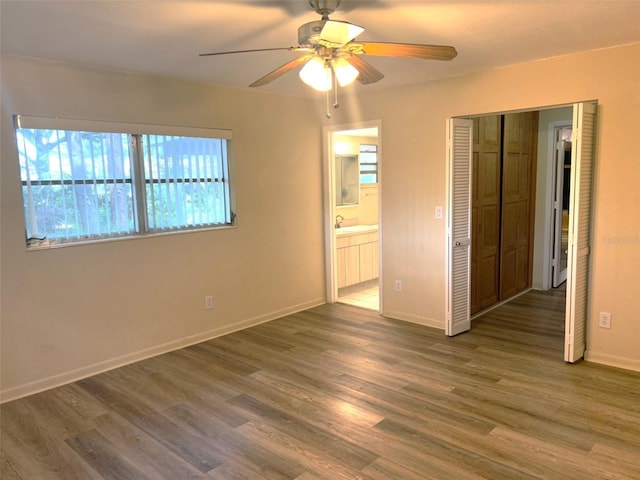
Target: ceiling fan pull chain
335, 90
328, 110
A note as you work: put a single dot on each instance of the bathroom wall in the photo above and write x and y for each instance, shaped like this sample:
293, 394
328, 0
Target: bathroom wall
366, 212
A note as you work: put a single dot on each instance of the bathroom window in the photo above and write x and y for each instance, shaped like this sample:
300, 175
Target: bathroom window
89, 181
368, 164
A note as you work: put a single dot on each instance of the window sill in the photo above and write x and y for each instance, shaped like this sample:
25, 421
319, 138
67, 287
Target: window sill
49, 245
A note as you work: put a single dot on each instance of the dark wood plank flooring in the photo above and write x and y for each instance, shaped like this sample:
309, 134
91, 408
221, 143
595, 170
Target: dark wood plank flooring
338, 392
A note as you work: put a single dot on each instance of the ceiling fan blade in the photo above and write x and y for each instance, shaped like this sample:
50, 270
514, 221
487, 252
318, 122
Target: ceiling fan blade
336, 33
368, 74
278, 72
291, 49
414, 50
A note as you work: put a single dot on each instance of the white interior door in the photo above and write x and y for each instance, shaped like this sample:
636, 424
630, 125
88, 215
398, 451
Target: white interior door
582, 164
560, 231
459, 156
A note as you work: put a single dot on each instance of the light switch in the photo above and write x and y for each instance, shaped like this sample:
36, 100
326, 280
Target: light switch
438, 212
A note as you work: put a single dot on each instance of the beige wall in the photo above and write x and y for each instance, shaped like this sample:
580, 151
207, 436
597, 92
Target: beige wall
413, 182
139, 297
72, 311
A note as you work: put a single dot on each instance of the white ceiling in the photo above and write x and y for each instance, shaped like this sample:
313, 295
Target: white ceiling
165, 37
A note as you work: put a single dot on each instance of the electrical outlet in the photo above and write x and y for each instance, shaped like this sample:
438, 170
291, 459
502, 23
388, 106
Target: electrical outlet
398, 286
208, 302
605, 320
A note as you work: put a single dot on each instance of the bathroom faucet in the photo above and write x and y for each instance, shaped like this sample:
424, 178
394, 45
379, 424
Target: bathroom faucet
339, 220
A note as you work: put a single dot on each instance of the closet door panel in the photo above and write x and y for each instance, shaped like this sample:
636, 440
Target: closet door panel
459, 200
520, 132
486, 212
474, 284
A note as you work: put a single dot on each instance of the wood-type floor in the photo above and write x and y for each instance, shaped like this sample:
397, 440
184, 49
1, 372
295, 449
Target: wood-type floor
338, 392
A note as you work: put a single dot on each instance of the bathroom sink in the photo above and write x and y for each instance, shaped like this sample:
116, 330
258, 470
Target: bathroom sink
356, 229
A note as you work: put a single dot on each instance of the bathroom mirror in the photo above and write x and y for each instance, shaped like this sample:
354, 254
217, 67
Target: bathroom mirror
347, 180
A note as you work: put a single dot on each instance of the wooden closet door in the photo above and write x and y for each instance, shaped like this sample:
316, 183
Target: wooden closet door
518, 167
485, 213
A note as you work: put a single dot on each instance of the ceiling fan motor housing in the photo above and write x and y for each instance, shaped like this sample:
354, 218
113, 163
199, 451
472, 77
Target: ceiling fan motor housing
309, 33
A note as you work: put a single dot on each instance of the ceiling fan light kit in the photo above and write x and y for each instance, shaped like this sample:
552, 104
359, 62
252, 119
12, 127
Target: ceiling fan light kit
344, 71
317, 74
331, 57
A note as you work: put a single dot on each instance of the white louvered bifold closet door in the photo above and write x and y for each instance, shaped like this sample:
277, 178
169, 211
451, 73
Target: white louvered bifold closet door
582, 164
459, 154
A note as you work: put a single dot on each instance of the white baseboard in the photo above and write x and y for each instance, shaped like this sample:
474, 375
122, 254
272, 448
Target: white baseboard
407, 317
31, 388
612, 360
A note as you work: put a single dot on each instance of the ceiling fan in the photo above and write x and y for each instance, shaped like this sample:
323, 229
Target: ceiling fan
331, 56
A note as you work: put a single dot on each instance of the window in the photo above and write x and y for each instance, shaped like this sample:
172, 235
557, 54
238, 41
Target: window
84, 181
368, 164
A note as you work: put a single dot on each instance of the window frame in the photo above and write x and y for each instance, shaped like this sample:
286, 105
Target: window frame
138, 181
374, 172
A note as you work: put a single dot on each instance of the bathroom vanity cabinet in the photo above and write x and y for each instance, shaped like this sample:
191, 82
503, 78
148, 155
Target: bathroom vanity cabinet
357, 254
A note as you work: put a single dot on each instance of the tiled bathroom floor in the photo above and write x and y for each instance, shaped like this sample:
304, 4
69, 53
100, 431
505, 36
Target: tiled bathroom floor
363, 295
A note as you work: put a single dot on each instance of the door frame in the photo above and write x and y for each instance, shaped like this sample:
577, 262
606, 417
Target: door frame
572, 322
545, 281
329, 175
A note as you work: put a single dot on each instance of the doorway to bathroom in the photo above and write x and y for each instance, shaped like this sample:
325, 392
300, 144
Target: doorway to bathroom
352, 187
